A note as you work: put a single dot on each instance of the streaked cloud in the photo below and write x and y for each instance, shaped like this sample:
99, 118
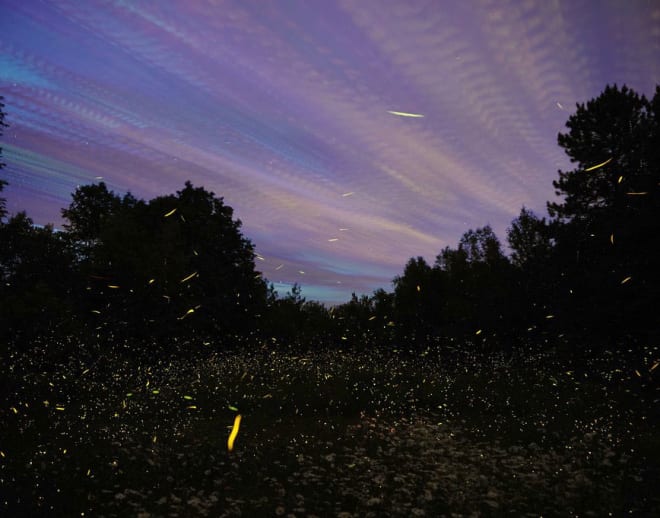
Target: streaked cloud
295, 114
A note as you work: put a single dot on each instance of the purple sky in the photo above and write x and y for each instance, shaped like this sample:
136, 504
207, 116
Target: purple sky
281, 107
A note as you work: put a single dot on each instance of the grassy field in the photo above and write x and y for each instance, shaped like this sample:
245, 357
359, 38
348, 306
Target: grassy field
338, 433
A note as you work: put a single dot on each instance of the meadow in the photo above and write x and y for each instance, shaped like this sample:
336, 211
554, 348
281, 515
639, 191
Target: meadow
363, 431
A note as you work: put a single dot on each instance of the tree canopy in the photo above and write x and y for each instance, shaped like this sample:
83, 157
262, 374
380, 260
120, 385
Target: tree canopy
175, 262
178, 265
3, 183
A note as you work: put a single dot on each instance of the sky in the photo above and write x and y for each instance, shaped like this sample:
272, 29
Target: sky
283, 108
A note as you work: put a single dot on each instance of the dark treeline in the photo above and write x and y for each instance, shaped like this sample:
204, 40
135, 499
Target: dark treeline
178, 265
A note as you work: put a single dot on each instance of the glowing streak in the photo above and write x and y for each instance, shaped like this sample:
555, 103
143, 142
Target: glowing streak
620, 179
279, 267
550, 316
332, 240
636, 193
655, 365
234, 433
151, 281
626, 280
347, 194
113, 286
372, 318
598, 165
96, 311
233, 408
188, 278
478, 332
612, 238
191, 310
404, 114
170, 213
419, 288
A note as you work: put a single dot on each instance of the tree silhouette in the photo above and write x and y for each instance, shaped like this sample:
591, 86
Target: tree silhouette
534, 275
36, 281
608, 139
176, 265
607, 221
91, 206
477, 274
530, 241
3, 183
417, 300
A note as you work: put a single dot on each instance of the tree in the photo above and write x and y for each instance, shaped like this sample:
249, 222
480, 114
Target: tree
475, 278
529, 240
91, 206
612, 142
176, 265
353, 318
417, 300
534, 276
3, 183
607, 220
482, 246
36, 279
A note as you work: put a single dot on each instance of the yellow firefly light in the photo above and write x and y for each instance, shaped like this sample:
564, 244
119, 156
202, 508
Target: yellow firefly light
188, 277
599, 165
234, 433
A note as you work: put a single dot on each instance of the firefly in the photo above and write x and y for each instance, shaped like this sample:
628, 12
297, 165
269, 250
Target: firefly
597, 166
234, 433
188, 278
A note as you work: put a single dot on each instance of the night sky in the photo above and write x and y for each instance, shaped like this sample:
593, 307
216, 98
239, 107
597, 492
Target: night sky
283, 108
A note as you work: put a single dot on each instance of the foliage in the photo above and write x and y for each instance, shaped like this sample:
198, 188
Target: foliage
530, 241
589, 271
3, 183
36, 280
327, 433
615, 130
606, 225
176, 264
179, 265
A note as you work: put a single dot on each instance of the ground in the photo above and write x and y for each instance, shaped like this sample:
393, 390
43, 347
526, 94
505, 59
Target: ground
374, 432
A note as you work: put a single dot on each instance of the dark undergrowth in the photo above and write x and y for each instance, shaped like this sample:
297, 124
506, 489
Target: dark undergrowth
94, 431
